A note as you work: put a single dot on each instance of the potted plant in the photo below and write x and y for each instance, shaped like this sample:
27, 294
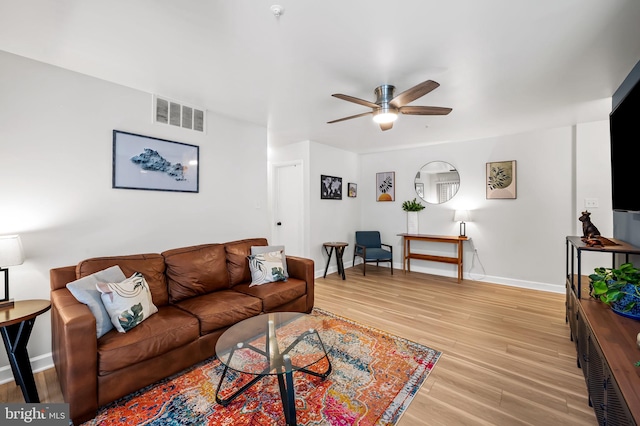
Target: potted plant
412, 207
619, 288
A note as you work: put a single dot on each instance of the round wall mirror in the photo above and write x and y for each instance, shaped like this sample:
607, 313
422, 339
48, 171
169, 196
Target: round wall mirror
437, 182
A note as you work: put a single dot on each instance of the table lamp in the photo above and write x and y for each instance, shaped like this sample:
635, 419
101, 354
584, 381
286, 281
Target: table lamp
11, 254
462, 216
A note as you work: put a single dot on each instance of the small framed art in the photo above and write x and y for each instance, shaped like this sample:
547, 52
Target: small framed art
352, 190
330, 187
386, 186
143, 162
501, 180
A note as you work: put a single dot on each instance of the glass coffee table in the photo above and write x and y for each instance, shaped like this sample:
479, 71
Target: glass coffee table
272, 344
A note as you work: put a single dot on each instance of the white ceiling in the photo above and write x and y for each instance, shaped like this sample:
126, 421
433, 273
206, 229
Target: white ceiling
504, 66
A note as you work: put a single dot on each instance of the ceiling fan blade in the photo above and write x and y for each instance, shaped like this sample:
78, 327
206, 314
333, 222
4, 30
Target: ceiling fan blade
424, 110
355, 100
386, 126
414, 93
350, 117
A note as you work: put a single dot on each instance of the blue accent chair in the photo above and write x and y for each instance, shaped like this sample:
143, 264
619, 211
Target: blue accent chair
370, 249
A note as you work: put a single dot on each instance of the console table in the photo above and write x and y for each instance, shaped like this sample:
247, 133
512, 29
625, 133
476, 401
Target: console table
605, 341
407, 255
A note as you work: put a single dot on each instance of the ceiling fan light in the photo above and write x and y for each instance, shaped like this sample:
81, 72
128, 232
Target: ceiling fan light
385, 115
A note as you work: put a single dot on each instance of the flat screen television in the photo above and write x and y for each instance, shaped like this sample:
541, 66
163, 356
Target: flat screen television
624, 123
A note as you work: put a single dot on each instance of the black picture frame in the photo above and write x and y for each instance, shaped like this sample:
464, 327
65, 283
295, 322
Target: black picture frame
153, 164
330, 187
352, 190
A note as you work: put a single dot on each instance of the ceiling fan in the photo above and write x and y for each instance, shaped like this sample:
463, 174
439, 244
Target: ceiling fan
386, 108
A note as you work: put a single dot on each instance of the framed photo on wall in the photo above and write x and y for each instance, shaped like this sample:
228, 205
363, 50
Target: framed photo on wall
143, 162
352, 190
330, 187
386, 186
501, 180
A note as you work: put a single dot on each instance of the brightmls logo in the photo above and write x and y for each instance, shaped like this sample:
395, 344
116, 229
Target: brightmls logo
34, 414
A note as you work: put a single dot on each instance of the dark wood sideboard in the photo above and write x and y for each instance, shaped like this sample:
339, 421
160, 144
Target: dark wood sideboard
605, 341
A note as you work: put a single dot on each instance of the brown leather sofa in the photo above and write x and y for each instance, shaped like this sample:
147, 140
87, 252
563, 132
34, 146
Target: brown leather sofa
200, 291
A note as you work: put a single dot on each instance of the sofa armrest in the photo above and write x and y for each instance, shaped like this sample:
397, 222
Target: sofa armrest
75, 353
302, 268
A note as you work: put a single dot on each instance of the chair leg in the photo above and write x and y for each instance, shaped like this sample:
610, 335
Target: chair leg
364, 267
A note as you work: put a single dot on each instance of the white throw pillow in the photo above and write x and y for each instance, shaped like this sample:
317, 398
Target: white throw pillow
266, 268
269, 249
84, 290
128, 302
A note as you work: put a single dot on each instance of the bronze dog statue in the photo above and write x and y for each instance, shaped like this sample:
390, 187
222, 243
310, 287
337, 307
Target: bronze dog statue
589, 230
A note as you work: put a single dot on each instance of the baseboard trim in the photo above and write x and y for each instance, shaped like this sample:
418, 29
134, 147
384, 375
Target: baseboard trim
38, 363
511, 282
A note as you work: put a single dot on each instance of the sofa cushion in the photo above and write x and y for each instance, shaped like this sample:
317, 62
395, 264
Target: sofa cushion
85, 291
196, 270
168, 329
275, 294
237, 263
149, 265
221, 309
128, 302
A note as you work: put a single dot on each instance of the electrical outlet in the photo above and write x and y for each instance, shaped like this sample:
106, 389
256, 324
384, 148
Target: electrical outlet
591, 202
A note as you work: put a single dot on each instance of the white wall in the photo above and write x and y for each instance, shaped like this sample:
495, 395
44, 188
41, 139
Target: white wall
593, 177
56, 146
519, 242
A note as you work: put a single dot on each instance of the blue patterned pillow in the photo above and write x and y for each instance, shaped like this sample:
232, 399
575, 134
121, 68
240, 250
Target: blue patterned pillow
266, 267
85, 291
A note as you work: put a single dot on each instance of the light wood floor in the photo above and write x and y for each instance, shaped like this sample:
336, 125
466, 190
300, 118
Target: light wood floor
506, 354
507, 357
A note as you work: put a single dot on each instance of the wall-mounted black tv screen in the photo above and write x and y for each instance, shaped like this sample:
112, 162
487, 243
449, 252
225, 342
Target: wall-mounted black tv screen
624, 123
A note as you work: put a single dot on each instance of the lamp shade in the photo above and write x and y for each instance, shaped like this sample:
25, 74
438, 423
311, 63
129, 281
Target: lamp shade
462, 216
11, 250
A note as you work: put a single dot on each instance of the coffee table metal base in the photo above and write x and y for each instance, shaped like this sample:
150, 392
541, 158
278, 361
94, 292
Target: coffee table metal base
282, 364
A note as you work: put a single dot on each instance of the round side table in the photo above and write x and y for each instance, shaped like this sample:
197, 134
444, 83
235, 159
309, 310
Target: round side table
339, 249
16, 323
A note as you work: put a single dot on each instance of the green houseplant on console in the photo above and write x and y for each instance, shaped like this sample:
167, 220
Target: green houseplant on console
412, 207
619, 288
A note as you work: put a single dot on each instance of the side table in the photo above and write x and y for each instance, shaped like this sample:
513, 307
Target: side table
339, 249
16, 324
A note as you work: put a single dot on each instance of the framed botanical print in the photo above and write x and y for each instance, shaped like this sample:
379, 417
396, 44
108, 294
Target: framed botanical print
385, 186
501, 180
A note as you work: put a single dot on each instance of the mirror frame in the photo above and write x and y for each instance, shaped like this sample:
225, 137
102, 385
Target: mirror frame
446, 167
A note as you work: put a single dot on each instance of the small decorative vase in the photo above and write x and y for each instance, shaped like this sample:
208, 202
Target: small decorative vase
412, 223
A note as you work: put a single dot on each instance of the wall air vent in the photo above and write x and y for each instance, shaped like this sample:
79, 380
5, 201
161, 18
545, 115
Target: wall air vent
173, 113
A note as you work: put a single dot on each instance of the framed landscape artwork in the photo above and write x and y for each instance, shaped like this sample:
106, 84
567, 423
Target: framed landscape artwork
501, 180
386, 186
143, 162
330, 187
352, 191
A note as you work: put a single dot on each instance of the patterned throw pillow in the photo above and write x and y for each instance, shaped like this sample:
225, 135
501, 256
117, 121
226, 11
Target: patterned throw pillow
267, 249
266, 268
127, 302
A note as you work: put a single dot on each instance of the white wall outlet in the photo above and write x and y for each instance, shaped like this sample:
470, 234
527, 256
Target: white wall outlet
591, 202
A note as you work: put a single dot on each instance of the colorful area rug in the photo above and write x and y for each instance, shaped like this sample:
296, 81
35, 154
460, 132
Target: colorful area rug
375, 377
